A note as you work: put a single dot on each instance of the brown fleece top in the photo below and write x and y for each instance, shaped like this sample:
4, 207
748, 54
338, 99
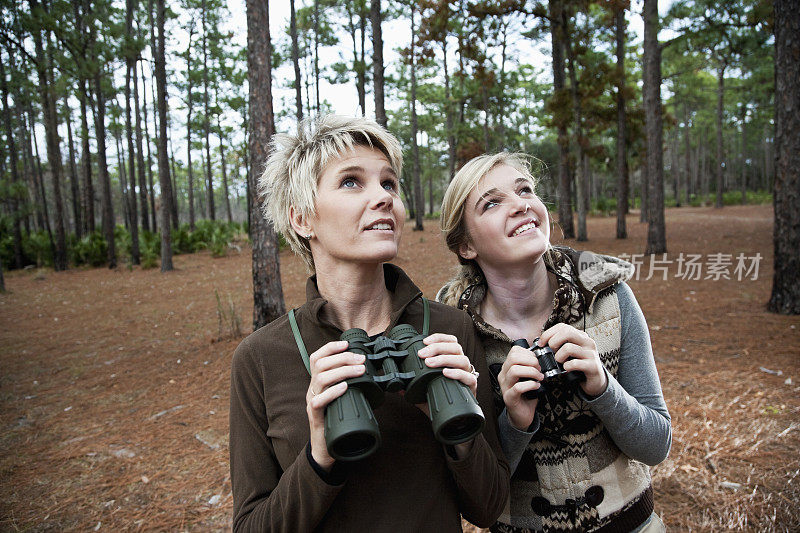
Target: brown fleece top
411, 483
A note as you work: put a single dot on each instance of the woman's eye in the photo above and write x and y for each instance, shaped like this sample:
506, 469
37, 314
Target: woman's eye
490, 204
390, 185
348, 183
526, 191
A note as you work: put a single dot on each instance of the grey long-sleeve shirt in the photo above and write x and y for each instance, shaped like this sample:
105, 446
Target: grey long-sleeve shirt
632, 407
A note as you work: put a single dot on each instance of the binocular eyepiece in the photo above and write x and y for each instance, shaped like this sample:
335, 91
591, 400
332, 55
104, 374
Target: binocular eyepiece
553, 370
392, 364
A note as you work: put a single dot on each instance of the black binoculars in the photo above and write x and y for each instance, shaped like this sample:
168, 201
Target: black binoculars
392, 364
553, 370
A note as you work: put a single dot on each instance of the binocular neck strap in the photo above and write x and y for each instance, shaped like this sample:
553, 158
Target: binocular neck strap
299, 340
426, 319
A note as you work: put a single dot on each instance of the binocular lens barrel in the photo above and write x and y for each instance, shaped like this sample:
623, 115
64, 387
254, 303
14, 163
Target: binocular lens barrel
455, 414
351, 431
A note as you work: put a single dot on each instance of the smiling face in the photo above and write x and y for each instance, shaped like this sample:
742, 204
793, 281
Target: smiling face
506, 222
359, 215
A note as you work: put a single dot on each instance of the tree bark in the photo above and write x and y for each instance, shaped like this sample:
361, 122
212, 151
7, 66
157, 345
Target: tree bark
13, 161
130, 66
150, 189
107, 207
87, 198
73, 175
743, 156
721, 166
224, 170
577, 114
140, 152
189, 102
206, 118
298, 86
622, 149
785, 298
419, 202
267, 292
48, 103
564, 177
651, 92
377, 61
163, 159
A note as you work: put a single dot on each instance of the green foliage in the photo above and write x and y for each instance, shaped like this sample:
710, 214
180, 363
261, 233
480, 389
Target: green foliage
90, 250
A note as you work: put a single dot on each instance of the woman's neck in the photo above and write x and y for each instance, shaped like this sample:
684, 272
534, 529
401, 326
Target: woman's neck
518, 300
357, 296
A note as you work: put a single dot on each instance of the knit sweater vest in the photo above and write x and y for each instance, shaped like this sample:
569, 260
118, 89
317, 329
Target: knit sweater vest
571, 477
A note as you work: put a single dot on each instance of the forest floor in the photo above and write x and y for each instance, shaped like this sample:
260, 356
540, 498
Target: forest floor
114, 383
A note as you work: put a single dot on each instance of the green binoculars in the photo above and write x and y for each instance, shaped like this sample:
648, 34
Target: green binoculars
392, 364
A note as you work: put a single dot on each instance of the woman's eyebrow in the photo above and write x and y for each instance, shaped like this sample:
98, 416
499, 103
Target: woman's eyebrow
352, 168
491, 192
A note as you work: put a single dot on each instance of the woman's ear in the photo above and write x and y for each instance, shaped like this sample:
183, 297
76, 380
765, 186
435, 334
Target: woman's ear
299, 222
466, 251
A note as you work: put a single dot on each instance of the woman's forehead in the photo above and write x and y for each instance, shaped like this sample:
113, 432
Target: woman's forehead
500, 177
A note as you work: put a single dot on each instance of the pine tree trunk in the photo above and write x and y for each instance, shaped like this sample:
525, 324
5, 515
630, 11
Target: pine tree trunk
564, 176
742, 155
419, 202
163, 158
377, 61
13, 160
644, 187
212, 215
130, 64
316, 55
150, 189
622, 149
87, 199
362, 64
48, 103
720, 168
651, 93
267, 292
189, 102
173, 181
785, 298
43, 215
140, 152
224, 170
107, 207
298, 85
122, 173
448, 112
577, 115
688, 157
73, 175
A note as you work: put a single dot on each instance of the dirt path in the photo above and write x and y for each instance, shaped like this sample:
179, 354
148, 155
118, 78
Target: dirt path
114, 388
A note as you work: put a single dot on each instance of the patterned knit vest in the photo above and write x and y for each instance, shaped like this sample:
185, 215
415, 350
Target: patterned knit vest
572, 477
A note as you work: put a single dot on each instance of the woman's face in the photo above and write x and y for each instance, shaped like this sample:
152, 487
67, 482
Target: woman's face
507, 222
359, 215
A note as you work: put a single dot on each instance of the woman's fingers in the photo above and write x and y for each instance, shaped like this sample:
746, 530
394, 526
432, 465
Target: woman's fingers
331, 365
318, 402
467, 378
562, 333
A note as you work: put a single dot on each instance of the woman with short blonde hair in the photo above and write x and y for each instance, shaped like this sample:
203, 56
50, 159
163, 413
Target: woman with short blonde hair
332, 191
584, 414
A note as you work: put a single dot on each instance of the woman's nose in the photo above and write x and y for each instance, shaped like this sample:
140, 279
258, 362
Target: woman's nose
520, 205
382, 198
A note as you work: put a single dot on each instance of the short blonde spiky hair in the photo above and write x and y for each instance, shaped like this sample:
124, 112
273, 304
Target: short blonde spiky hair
452, 217
295, 164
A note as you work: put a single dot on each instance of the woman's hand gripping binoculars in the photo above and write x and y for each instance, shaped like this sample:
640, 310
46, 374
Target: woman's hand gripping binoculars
373, 366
